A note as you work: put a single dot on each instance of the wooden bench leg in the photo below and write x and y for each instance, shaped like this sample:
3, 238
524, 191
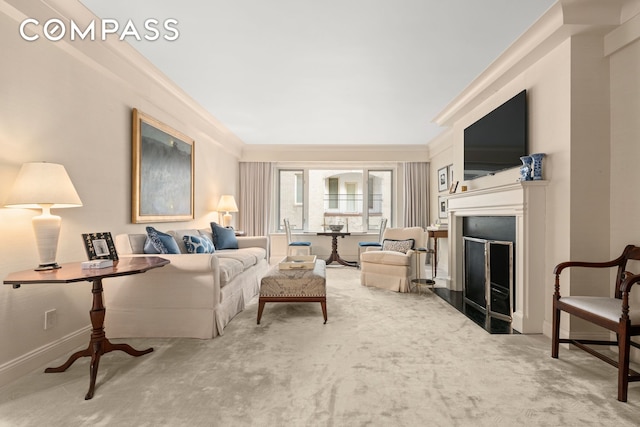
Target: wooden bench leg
260, 308
324, 310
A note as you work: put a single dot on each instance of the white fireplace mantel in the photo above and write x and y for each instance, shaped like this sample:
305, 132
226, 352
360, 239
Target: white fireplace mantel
526, 201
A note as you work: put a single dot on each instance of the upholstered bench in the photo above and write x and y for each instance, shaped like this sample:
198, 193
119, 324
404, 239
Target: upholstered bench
296, 285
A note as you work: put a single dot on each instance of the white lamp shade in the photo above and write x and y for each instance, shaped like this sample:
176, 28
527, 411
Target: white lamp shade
227, 204
41, 183
46, 186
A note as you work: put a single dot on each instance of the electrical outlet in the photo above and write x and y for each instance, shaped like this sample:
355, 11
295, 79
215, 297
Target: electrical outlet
50, 318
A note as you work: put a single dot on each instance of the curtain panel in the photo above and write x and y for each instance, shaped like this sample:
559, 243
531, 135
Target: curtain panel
254, 200
416, 194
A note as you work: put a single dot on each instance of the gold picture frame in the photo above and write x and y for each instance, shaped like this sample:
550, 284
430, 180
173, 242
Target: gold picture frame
162, 177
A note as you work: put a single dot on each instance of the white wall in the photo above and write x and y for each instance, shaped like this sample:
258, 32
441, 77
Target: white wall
623, 48
70, 103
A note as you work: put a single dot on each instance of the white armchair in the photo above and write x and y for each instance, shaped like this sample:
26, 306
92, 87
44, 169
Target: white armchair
391, 269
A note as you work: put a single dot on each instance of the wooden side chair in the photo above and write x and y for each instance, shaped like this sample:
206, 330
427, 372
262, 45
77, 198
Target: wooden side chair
295, 247
613, 314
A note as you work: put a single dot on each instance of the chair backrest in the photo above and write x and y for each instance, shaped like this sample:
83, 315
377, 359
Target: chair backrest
383, 226
415, 233
287, 230
630, 252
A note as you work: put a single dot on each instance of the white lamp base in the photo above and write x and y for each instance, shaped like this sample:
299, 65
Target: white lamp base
47, 230
226, 220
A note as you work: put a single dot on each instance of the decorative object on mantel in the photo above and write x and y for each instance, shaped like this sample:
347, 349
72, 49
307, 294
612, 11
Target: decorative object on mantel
45, 186
525, 169
537, 165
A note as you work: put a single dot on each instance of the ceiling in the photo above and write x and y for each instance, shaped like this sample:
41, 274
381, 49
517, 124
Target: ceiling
327, 71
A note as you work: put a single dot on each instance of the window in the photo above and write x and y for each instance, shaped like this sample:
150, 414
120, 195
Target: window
357, 198
333, 192
299, 188
291, 198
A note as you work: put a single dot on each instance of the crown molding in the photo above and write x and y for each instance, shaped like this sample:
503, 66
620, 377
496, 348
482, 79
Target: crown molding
564, 19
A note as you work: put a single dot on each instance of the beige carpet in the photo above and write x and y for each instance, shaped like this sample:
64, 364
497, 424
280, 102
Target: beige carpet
383, 359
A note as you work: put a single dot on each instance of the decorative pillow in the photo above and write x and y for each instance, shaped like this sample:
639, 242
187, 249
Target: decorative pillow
163, 242
398, 245
223, 238
149, 248
198, 244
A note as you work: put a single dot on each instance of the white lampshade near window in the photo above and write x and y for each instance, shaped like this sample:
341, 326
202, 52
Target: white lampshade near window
44, 186
227, 204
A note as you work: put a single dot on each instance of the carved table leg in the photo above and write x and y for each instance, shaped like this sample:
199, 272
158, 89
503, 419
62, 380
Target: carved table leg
99, 343
336, 257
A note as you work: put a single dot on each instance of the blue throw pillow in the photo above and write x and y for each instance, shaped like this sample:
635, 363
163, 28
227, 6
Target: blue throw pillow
223, 238
163, 242
198, 244
149, 248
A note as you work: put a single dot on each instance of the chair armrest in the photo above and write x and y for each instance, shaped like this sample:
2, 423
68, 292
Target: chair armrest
558, 268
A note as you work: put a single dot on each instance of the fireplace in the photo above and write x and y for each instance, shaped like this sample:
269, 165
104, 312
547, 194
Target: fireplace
523, 205
488, 264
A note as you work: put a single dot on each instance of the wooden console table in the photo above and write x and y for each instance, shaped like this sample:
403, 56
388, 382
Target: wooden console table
436, 234
73, 272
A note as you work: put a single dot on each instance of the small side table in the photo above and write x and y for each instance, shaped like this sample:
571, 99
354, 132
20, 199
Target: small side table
436, 233
418, 280
73, 272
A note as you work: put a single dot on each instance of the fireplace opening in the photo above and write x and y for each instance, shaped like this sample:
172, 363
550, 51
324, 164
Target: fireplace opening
489, 269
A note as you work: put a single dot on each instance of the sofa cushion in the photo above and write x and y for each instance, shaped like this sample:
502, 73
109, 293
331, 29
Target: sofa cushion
198, 244
398, 245
224, 238
247, 256
163, 242
386, 257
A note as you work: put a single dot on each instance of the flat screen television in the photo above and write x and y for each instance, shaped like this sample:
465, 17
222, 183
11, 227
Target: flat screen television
498, 140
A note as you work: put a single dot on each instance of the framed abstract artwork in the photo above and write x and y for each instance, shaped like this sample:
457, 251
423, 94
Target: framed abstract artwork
162, 178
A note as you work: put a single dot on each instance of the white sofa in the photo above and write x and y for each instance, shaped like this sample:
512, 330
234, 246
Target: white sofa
196, 295
392, 270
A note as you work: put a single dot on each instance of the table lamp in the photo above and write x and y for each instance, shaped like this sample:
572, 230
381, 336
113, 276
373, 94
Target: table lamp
45, 186
227, 204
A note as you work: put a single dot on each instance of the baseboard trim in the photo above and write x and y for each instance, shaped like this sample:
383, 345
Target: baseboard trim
39, 357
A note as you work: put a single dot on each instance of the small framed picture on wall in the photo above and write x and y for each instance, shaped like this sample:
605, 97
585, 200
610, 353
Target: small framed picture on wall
442, 207
443, 179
